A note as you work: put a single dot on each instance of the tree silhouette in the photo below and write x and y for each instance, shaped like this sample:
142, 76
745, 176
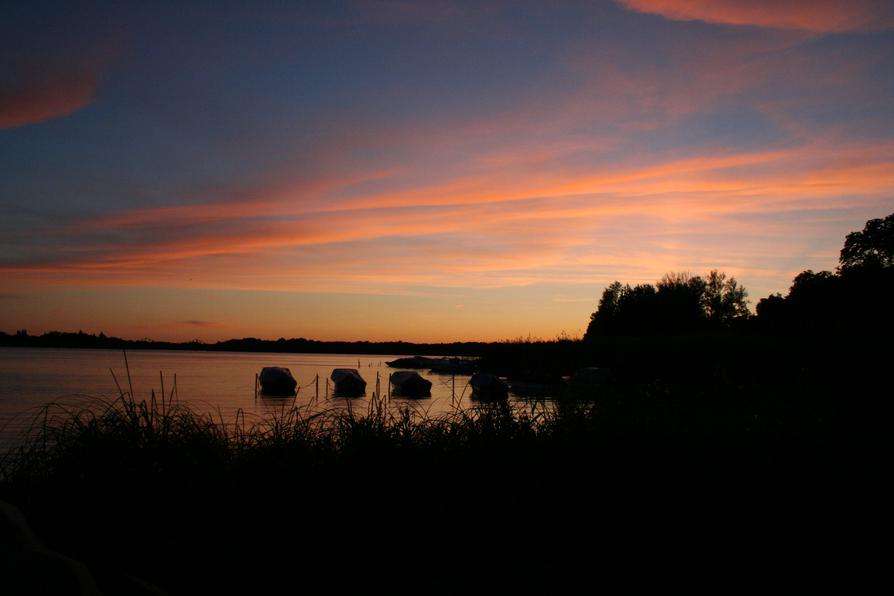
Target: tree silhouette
724, 300
624, 308
871, 247
679, 303
856, 299
771, 310
611, 299
815, 299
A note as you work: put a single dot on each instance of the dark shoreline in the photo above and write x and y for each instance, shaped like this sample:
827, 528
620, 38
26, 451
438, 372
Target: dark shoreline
81, 340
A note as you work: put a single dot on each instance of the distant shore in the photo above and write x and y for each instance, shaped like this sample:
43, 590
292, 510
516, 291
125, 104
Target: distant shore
81, 340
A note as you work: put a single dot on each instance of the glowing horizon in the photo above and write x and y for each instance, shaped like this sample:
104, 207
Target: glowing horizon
435, 171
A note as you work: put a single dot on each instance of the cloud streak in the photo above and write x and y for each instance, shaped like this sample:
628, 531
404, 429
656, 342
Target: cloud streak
198, 323
631, 222
819, 16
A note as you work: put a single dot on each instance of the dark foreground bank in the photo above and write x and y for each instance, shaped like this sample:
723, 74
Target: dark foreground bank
717, 469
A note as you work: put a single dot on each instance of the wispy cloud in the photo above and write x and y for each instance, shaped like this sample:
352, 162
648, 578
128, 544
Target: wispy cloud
821, 16
198, 323
589, 228
33, 93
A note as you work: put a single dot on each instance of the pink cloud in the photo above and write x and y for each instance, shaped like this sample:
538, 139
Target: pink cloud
633, 222
820, 16
37, 93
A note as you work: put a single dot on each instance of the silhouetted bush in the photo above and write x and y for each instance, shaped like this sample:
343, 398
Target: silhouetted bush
534, 360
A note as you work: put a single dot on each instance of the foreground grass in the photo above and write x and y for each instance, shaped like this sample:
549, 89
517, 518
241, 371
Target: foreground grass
770, 481
158, 491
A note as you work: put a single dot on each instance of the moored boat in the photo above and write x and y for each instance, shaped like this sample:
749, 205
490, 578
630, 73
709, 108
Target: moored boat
348, 382
277, 381
487, 387
410, 384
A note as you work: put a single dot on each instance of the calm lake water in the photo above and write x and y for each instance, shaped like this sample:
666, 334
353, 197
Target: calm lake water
217, 382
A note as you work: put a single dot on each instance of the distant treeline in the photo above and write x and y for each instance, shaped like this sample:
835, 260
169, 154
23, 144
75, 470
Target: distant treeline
58, 339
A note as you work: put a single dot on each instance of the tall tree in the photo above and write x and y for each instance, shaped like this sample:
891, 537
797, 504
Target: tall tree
724, 300
606, 313
871, 247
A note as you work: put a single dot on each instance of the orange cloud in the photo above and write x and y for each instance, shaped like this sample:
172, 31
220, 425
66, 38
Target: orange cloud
820, 16
288, 199
632, 221
39, 93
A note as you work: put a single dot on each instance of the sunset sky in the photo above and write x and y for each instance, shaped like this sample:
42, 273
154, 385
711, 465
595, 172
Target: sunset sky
425, 171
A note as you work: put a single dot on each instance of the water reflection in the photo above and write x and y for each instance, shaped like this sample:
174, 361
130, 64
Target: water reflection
217, 383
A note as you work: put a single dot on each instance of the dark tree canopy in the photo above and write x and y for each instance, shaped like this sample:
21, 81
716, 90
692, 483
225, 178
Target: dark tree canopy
771, 309
856, 299
871, 247
679, 303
